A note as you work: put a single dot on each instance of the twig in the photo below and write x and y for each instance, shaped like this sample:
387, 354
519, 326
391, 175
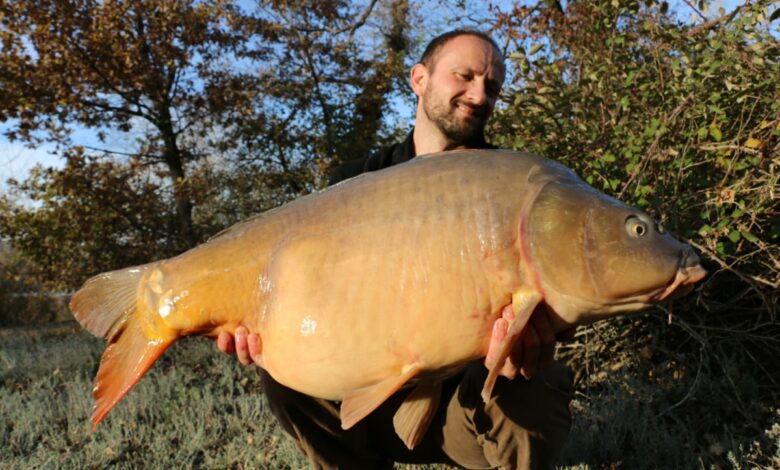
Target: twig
360, 22
113, 152
708, 25
692, 388
693, 7
729, 147
725, 266
688, 329
349, 28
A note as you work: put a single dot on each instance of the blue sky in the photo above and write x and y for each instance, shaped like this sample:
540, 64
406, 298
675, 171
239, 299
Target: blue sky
16, 160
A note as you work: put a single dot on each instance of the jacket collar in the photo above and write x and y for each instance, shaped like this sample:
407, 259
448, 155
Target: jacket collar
406, 150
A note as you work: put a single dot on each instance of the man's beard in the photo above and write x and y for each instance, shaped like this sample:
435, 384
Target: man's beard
458, 130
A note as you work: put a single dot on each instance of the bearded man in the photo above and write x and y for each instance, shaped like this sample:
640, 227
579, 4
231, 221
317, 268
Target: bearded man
526, 422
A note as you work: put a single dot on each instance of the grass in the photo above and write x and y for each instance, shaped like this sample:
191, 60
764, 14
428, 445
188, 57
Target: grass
194, 409
199, 409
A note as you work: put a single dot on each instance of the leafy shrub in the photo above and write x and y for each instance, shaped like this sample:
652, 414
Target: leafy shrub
21, 301
680, 120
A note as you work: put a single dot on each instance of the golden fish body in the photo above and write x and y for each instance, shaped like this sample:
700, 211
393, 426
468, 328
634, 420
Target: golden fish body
350, 285
390, 276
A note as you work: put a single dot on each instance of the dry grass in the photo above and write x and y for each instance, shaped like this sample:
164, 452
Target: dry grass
197, 408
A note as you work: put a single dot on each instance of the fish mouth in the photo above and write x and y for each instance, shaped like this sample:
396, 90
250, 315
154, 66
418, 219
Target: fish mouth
682, 283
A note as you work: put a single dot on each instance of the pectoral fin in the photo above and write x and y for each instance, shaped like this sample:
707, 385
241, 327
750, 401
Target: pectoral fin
523, 303
412, 419
360, 403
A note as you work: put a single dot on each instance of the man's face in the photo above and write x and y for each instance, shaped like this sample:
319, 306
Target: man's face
462, 85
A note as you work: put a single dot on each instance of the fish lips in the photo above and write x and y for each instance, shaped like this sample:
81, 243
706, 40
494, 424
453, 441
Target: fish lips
683, 282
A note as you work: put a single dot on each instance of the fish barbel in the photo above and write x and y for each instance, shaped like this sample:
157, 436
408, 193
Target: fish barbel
391, 279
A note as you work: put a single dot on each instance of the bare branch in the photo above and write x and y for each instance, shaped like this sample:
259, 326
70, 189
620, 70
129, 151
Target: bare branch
115, 109
91, 64
360, 22
716, 22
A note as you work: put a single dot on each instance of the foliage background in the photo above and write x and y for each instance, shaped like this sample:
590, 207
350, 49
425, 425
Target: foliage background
206, 112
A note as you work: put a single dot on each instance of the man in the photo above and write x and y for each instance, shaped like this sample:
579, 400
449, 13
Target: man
526, 422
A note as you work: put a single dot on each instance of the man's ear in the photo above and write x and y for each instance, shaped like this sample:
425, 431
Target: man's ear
418, 78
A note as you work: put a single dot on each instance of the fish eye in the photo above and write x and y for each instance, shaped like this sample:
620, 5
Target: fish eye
635, 227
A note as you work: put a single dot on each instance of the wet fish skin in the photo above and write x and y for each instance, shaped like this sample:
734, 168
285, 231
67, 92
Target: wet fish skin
391, 278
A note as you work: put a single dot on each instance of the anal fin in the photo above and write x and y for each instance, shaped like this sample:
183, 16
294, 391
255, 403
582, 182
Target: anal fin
360, 403
412, 419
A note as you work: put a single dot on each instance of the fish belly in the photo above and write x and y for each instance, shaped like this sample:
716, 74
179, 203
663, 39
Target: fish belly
349, 307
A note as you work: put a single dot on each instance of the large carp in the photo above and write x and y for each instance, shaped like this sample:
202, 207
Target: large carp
392, 278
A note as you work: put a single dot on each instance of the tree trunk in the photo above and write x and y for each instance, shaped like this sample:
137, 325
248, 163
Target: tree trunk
172, 154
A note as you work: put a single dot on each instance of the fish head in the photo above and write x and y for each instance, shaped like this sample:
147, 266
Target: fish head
594, 256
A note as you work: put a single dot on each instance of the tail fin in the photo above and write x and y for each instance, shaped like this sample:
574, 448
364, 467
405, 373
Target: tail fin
107, 306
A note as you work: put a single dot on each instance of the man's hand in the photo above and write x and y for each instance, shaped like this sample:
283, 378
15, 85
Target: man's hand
534, 349
245, 345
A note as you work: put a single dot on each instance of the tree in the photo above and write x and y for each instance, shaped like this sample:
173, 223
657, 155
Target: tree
324, 88
119, 65
674, 117
93, 215
232, 112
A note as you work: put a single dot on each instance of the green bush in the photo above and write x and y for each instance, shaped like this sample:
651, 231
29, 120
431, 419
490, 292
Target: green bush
22, 302
680, 120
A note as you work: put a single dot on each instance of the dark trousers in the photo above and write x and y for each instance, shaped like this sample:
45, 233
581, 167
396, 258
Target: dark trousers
524, 425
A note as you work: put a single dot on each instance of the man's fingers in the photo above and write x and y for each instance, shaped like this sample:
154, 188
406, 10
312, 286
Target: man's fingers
500, 327
513, 362
246, 346
508, 314
225, 343
255, 348
534, 349
242, 349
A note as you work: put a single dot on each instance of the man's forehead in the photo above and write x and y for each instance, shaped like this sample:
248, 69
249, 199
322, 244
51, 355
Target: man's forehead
469, 50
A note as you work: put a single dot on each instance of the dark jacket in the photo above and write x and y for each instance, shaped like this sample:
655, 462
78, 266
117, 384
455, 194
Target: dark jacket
383, 158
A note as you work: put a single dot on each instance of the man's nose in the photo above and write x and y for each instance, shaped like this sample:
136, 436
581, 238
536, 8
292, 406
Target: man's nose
476, 93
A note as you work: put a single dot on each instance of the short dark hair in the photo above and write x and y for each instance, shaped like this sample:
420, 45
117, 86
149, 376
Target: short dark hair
439, 41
